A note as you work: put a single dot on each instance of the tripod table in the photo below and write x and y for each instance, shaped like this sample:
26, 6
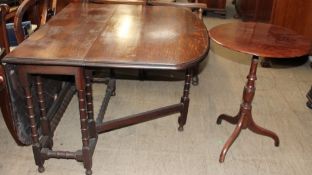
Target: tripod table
258, 40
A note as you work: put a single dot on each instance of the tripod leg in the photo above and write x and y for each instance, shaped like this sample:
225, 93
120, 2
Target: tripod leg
259, 130
231, 140
228, 118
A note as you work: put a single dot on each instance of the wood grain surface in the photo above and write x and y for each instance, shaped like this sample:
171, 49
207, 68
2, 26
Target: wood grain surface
260, 39
129, 36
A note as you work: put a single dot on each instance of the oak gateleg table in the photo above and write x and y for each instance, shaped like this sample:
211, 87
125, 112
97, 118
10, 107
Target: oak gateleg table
258, 40
85, 36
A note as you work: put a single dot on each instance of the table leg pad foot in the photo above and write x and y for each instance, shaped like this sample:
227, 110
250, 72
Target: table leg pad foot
221, 159
50, 144
180, 128
113, 93
231, 140
309, 105
88, 172
41, 169
276, 142
195, 81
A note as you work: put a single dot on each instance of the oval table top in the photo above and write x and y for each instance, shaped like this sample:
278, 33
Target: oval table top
117, 36
260, 39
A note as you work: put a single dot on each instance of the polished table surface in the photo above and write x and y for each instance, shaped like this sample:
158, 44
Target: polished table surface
260, 39
126, 36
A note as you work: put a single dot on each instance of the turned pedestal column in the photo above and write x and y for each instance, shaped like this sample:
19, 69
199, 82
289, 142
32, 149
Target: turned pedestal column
244, 118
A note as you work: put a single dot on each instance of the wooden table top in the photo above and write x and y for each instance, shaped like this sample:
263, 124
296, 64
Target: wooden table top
260, 39
123, 36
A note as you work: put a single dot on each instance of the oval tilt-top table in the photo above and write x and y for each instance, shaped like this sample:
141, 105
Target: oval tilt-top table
258, 40
85, 36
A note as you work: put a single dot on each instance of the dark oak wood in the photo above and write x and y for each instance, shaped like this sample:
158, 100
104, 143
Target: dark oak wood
31, 114
110, 91
45, 123
39, 149
86, 35
97, 42
197, 8
139, 118
257, 39
11, 115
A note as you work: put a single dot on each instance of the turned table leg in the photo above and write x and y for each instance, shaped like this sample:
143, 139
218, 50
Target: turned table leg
90, 111
195, 79
185, 99
244, 118
36, 146
81, 91
45, 123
